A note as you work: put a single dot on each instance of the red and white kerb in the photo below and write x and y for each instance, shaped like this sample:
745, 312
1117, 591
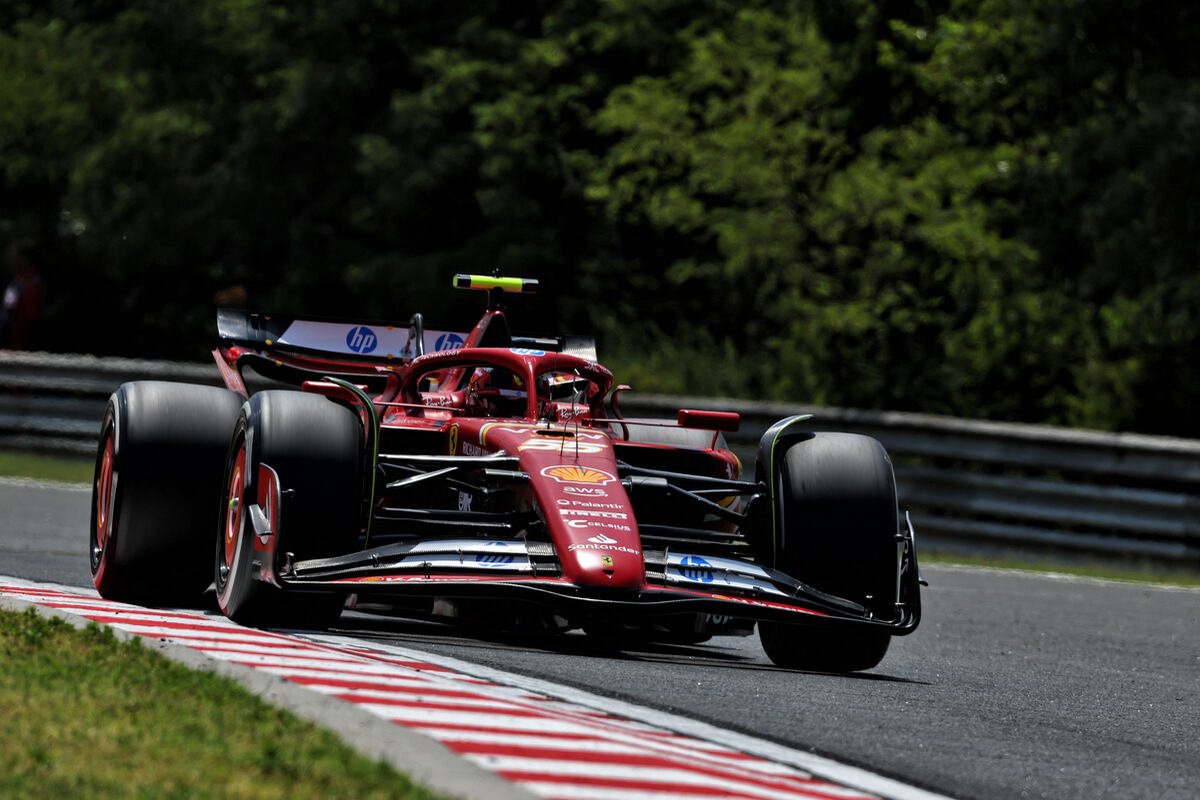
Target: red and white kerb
553, 748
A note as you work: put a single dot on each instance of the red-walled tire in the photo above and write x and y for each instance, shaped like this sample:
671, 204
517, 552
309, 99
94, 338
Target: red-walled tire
157, 480
837, 533
314, 448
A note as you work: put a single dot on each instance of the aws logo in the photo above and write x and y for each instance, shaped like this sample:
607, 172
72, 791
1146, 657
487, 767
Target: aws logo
362, 339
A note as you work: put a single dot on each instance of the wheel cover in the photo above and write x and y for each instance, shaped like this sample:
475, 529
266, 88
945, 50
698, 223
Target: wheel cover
104, 492
233, 512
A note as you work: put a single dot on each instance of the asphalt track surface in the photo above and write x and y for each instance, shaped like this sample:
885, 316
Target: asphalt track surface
1014, 686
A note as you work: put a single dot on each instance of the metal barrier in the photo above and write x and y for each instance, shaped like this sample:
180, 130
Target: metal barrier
970, 485
988, 486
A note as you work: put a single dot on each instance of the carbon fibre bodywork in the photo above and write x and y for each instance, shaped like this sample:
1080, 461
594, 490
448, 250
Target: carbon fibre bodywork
552, 506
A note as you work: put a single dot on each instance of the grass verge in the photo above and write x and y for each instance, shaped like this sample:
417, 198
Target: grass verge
88, 716
46, 468
1135, 574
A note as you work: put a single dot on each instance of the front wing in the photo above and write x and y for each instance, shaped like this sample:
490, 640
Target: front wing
676, 584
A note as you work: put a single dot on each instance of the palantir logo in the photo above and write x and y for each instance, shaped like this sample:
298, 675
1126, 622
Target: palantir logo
448, 341
361, 339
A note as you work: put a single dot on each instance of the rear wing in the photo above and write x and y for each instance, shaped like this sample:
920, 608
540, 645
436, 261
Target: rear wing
293, 349
365, 342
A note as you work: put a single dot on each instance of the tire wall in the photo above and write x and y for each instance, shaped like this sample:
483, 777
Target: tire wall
172, 442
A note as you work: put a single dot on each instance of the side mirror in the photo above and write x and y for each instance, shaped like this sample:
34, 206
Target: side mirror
727, 421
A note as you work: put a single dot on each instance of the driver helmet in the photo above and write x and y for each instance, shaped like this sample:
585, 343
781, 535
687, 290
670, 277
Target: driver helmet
496, 392
562, 395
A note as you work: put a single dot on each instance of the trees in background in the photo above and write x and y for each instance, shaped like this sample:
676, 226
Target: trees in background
983, 209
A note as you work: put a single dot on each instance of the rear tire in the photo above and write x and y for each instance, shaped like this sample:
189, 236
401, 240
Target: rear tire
314, 447
157, 479
836, 532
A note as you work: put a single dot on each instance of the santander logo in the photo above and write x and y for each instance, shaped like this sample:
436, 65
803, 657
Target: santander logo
600, 538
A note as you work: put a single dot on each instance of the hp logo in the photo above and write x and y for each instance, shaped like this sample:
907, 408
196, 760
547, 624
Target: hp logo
495, 559
361, 339
695, 568
448, 341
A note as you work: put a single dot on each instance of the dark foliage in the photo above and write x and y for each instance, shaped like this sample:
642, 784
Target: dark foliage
983, 209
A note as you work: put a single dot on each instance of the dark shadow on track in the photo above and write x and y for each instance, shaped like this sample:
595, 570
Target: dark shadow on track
416, 632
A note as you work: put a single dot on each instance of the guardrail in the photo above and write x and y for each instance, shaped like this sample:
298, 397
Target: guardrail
971, 485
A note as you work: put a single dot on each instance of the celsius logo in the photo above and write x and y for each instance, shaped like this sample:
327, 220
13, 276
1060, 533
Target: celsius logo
448, 341
361, 339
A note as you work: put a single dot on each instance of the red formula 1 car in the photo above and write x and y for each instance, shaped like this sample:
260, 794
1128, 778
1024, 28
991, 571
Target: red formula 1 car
483, 476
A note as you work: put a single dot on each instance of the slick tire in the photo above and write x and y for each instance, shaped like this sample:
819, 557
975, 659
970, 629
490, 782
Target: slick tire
157, 480
837, 533
314, 447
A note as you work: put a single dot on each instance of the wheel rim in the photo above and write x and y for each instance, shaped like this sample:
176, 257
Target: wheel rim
104, 493
233, 509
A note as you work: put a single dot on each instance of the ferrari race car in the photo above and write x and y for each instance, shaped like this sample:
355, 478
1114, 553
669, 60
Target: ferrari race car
490, 477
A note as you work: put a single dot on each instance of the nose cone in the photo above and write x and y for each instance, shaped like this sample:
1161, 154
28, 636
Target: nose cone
573, 474
600, 545
590, 519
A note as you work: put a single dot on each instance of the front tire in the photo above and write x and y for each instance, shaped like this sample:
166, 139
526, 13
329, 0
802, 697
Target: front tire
157, 478
836, 531
311, 448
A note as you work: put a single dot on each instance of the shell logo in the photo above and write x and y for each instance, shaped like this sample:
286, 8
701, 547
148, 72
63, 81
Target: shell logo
568, 474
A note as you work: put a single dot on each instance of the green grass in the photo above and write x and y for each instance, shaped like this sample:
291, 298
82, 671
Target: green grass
87, 716
1135, 573
47, 468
